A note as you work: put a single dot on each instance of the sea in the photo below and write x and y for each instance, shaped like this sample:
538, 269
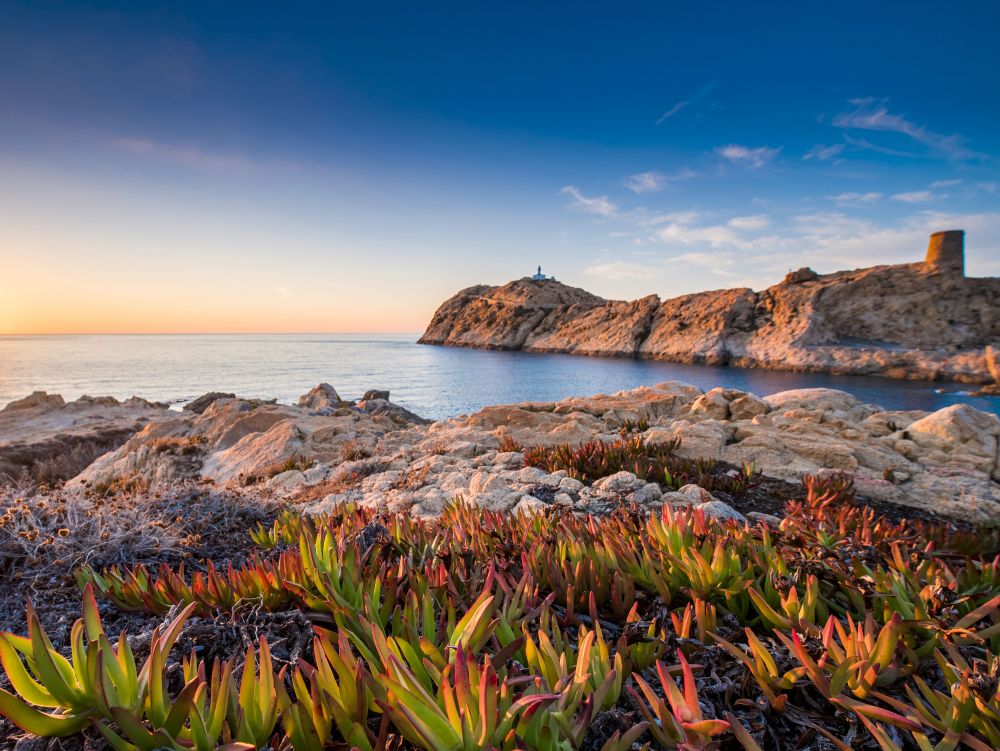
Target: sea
436, 382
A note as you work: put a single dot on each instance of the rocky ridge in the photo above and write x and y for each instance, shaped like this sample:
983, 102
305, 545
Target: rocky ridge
45, 439
325, 452
924, 321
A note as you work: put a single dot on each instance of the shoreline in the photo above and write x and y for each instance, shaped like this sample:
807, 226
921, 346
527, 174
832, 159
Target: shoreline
376, 453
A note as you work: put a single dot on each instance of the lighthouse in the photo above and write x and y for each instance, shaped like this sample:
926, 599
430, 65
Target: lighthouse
540, 277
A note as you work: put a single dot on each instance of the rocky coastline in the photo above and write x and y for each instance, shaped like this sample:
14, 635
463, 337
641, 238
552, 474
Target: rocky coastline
326, 451
920, 321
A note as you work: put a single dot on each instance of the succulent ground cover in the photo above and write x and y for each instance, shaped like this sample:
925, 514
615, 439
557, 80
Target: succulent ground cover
840, 628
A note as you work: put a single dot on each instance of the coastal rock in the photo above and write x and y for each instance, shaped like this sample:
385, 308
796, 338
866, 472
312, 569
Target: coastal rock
383, 407
943, 463
45, 439
322, 398
959, 431
203, 402
721, 511
242, 442
920, 321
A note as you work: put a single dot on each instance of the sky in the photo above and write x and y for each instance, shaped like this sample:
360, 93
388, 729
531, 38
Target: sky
264, 167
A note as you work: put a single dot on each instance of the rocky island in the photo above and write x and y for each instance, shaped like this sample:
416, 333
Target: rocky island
925, 321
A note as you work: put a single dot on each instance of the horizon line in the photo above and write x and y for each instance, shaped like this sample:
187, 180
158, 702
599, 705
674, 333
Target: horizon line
201, 333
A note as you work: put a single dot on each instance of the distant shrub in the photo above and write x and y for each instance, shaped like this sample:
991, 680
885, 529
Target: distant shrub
508, 444
352, 451
653, 462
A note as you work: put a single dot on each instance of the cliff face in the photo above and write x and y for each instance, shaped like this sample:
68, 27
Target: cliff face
917, 321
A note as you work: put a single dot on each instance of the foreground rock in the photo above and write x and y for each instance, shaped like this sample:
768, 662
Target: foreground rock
45, 439
918, 321
232, 441
943, 463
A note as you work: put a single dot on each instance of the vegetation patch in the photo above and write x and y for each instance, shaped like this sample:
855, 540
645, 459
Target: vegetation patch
839, 628
653, 462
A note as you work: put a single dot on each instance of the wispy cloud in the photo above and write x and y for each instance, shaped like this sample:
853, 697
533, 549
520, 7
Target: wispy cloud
873, 114
914, 196
945, 183
989, 187
649, 182
756, 222
851, 199
824, 153
747, 157
863, 144
188, 156
645, 182
618, 270
682, 228
282, 291
700, 94
596, 205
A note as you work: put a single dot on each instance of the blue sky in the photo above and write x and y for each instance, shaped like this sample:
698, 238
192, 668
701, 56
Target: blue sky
209, 166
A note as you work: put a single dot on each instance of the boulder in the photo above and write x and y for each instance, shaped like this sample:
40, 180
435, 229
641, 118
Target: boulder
721, 511
205, 401
37, 400
958, 430
323, 397
800, 276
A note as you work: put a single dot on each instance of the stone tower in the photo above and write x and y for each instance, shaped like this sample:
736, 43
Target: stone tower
946, 252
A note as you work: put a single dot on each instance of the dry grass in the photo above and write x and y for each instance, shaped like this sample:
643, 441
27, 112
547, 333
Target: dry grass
341, 481
46, 535
352, 451
185, 445
273, 470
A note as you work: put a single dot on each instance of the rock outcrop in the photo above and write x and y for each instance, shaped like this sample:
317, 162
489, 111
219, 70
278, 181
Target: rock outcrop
923, 321
45, 439
246, 441
943, 463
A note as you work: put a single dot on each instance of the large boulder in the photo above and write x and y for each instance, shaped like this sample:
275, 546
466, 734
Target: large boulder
960, 432
322, 398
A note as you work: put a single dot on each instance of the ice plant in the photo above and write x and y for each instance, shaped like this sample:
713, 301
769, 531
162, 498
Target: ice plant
773, 682
676, 722
97, 679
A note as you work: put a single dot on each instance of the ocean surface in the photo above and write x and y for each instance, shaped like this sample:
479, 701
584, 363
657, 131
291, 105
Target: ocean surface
435, 382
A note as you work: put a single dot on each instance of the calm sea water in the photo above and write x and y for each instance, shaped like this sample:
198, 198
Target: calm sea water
435, 382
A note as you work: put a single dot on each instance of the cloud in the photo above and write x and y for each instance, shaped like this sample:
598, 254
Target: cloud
989, 187
645, 182
746, 157
619, 270
700, 94
648, 182
863, 144
915, 196
825, 153
945, 183
681, 229
872, 114
596, 205
856, 198
279, 290
188, 156
759, 221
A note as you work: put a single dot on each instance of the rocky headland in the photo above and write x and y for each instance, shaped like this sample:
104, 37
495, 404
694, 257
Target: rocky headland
326, 451
925, 321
